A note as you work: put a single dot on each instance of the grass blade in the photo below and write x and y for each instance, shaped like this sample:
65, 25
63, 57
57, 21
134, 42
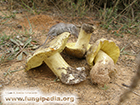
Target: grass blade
19, 57
14, 41
30, 31
27, 42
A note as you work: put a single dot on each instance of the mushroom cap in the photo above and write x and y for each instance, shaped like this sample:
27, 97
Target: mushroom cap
108, 46
72, 50
79, 48
56, 45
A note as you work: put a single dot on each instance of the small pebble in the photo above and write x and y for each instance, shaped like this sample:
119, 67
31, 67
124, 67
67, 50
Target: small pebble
19, 26
25, 83
0, 86
18, 36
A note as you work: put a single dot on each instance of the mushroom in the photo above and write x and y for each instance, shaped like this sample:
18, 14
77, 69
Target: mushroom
50, 54
104, 53
79, 48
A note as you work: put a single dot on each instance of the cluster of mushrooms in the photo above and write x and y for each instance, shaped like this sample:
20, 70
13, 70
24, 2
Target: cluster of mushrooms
100, 56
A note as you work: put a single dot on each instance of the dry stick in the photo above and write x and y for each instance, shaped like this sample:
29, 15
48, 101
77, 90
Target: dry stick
124, 48
104, 13
134, 83
57, 10
128, 89
114, 8
125, 9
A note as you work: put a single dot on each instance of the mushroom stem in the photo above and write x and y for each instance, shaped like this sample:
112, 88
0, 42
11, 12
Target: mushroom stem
57, 64
65, 72
84, 36
104, 53
102, 57
79, 48
50, 54
107, 46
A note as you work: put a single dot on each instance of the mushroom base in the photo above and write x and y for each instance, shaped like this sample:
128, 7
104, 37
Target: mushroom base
66, 73
103, 70
78, 74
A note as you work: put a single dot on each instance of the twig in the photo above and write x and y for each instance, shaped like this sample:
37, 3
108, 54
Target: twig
124, 47
127, 87
113, 8
124, 9
133, 85
57, 9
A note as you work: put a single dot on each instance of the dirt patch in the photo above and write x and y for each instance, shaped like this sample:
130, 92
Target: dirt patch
39, 22
86, 93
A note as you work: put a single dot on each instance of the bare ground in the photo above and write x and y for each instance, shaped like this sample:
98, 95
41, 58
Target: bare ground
86, 93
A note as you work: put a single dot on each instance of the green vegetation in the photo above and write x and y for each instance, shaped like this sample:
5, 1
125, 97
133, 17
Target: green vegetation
76, 9
118, 17
105, 87
125, 21
17, 44
9, 71
14, 46
6, 17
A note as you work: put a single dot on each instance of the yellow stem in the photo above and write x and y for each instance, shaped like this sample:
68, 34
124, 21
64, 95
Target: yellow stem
102, 57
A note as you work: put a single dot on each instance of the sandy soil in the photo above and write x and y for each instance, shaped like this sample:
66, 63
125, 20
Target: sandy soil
86, 93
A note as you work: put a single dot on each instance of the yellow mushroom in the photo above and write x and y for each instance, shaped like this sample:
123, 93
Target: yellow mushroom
104, 54
50, 54
79, 48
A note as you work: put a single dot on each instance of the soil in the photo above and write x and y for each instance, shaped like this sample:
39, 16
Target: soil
43, 79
